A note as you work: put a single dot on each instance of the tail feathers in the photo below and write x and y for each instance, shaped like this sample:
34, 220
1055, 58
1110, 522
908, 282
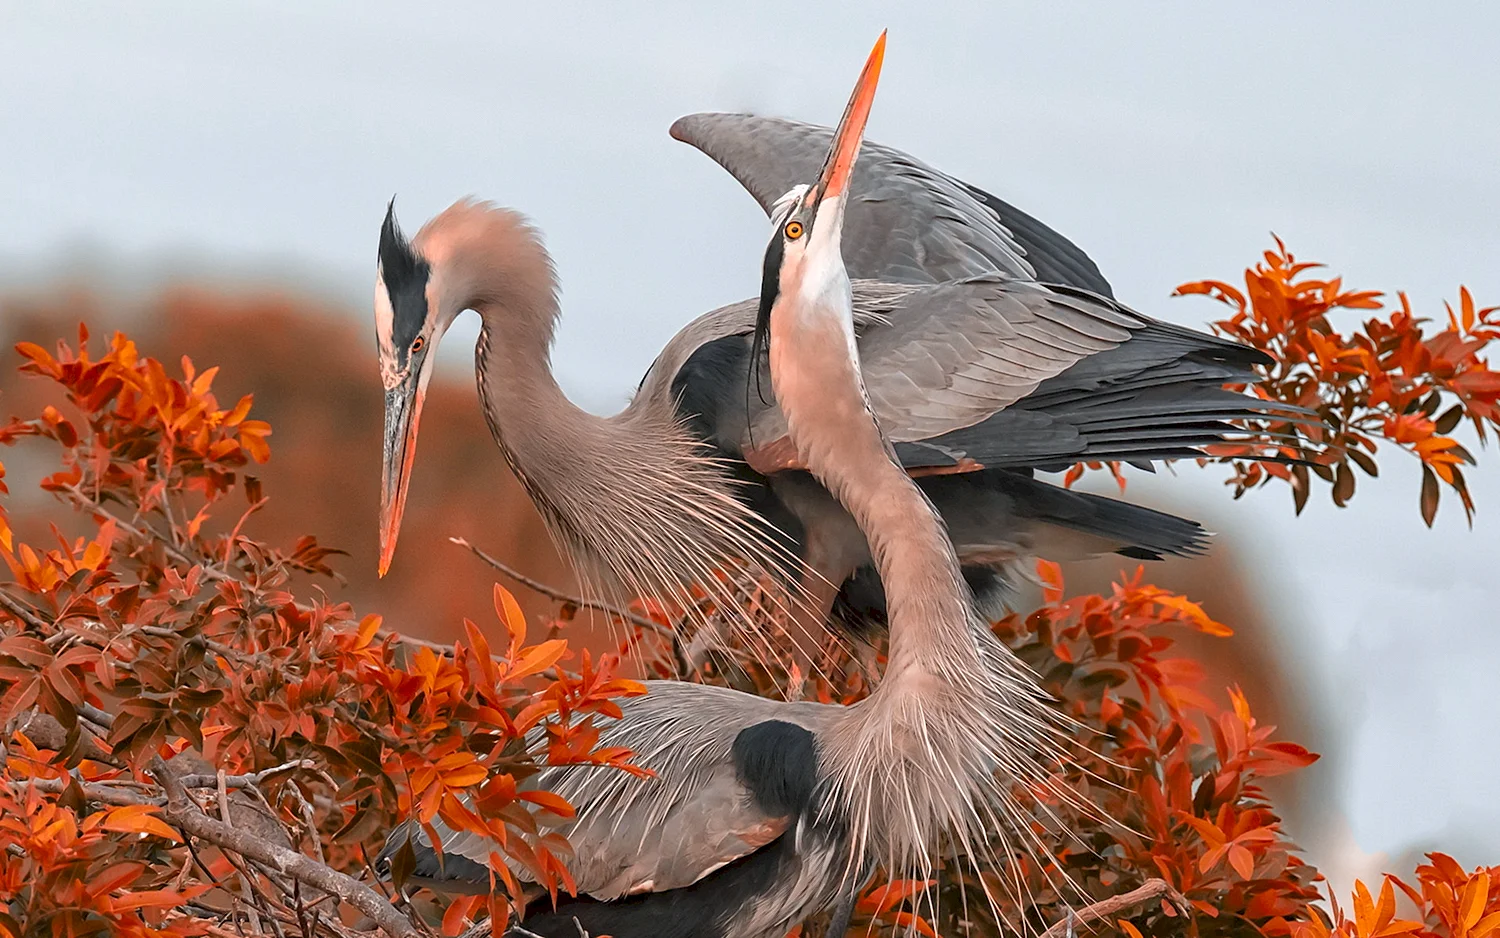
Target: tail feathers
996, 508
1001, 521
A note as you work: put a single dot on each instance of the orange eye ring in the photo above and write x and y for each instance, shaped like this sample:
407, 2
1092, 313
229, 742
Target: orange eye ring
793, 230
417, 343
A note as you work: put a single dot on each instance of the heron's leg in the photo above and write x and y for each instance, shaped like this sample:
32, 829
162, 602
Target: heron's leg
842, 913
808, 628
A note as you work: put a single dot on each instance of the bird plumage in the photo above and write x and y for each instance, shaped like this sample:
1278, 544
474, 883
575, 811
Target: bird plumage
905, 222
657, 498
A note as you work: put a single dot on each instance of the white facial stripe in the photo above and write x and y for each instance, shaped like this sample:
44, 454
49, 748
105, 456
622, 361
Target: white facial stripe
385, 325
783, 206
436, 304
821, 281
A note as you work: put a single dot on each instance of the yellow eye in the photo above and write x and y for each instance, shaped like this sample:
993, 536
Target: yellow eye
416, 344
793, 230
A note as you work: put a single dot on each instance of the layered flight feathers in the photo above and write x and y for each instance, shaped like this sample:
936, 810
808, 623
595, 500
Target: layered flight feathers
905, 221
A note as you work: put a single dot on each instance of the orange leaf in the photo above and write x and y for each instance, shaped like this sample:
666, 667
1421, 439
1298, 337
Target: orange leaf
368, 626
1242, 861
138, 819
459, 912
548, 801
539, 658
891, 894
113, 877
1052, 580
1364, 909
1476, 893
510, 615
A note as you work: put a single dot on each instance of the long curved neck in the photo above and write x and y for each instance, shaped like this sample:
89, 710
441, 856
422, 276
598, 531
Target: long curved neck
630, 499
817, 382
559, 452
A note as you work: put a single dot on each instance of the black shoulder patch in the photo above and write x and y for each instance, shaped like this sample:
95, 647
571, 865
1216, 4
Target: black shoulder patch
715, 371
778, 762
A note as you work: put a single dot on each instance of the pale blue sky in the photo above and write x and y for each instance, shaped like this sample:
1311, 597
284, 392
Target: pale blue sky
1168, 139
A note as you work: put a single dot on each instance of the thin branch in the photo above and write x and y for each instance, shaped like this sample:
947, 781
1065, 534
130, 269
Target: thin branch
246, 893
15, 608
309, 821
553, 593
244, 781
95, 791
1105, 909
209, 570
94, 715
181, 811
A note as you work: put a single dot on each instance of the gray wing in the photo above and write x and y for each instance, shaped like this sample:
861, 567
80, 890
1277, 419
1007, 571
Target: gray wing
905, 222
633, 835
951, 355
987, 371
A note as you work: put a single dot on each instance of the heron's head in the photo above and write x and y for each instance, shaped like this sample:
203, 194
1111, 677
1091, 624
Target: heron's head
472, 255
407, 329
803, 264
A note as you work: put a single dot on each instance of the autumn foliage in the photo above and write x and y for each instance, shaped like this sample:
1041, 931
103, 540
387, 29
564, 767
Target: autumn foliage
180, 700
167, 630
1392, 377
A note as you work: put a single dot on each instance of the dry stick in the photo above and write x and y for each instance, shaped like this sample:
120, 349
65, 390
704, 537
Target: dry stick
1108, 908
243, 781
94, 715
83, 501
557, 594
245, 892
181, 811
15, 608
106, 794
309, 820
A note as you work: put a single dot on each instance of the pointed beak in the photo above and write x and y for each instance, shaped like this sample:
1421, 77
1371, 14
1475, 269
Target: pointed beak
403, 411
839, 166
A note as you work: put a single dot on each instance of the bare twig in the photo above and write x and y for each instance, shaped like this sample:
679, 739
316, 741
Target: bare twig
15, 608
553, 593
243, 781
1104, 909
309, 820
94, 715
94, 791
247, 896
83, 501
181, 811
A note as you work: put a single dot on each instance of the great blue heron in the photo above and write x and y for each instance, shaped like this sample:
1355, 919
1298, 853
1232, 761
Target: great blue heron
978, 373
762, 812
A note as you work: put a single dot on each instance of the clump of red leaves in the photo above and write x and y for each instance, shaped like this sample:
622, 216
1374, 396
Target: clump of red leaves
1179, 774
1392, 378
160, 629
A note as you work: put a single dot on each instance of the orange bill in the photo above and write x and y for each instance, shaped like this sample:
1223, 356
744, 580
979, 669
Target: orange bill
851, 131
403, 412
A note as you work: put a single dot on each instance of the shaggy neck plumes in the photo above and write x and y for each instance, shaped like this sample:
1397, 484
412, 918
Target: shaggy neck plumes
957, 724
630, 498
